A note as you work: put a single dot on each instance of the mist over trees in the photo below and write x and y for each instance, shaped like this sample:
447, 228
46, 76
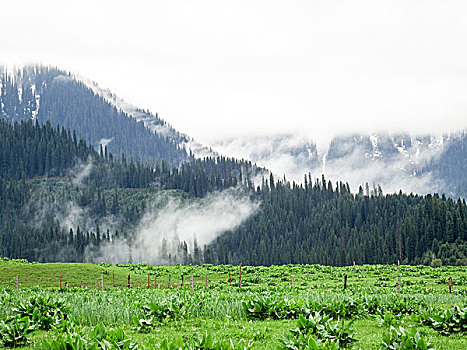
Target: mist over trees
40, 164
451, 167
78, 174
419, 163
321, 222
313, 222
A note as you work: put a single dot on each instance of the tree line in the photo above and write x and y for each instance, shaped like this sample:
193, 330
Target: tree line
44, 168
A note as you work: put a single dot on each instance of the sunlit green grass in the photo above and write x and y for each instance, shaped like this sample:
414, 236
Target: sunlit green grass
217, 307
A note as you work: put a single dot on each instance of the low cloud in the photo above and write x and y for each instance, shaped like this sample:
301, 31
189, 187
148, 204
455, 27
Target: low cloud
49, 205
178, 220
80, 172
392, 161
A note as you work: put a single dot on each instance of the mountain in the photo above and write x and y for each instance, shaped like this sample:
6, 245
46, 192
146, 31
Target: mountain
61, 200
96, 208
48, 94
145, 198
414, 163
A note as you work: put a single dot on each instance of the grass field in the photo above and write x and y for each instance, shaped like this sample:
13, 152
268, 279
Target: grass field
217, 314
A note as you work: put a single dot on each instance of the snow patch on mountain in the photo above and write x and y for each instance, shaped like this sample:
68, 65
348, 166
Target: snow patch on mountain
37, 97
436, 142
393, 161
374, 144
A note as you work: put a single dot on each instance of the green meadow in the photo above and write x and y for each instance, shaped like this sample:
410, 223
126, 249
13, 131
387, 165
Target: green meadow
85, 306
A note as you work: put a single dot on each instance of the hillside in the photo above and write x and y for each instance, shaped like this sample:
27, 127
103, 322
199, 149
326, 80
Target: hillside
63, 201
322, 222
85, 177
414, 163
48, 94
60, 199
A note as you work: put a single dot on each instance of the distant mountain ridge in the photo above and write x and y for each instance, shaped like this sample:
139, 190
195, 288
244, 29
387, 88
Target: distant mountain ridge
63, 200
414, 163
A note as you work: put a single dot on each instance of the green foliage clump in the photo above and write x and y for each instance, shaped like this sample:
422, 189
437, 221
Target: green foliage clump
388, 319
403, 339
43, 312
205, 342
164, 310
15, 331
318, 332
158, 312
98, 338
447, 322
275, 308
27, 316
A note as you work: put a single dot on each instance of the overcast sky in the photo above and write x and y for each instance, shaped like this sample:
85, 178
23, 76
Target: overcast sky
232, 67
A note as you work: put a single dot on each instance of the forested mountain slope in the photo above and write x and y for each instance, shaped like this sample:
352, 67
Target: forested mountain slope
54, 189
94, 201
414, 163
79, 176
48, 94
325, 223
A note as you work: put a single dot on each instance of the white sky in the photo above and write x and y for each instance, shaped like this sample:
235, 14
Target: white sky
231, 67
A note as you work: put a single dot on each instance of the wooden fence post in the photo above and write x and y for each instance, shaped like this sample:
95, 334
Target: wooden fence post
191, 282
450, 285
113, 279
240, 277
354, 267
170, 277
182, 280
129, 283
291, 281
102, 283
149, 275
345, 282
16, 282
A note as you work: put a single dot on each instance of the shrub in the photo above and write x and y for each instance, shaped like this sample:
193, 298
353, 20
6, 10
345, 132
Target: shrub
447, 322
14, 332
318, 332
43, 312
400, 338
98, 338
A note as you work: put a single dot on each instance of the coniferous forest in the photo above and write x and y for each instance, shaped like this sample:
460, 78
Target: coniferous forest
313, 222
50, 94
